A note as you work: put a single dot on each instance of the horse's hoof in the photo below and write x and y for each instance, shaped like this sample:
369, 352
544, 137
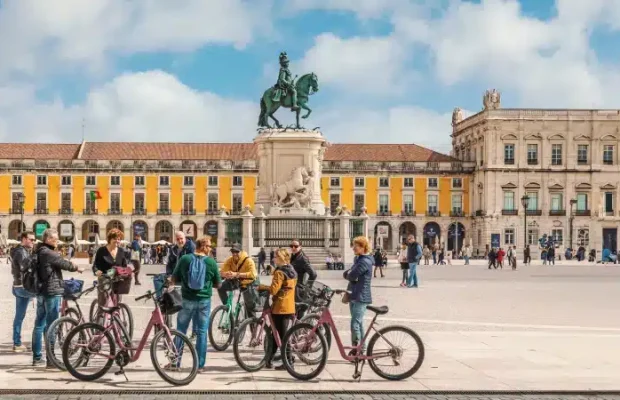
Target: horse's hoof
305, 116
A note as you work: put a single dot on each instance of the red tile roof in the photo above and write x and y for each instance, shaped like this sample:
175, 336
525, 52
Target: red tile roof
210, 151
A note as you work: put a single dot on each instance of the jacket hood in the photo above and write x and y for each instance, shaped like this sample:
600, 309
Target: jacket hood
366, 258
288, 271
242, 256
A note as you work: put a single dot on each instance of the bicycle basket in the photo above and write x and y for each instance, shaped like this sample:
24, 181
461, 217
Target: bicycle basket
121, 285
73, 286
171, 302
312, 290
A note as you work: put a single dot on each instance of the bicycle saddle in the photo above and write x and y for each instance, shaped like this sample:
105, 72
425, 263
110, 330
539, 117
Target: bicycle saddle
379, 310
111, 310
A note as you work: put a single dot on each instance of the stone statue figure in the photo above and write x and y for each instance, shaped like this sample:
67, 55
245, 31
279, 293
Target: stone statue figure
296, 192
287, 93
491, 100
457, 116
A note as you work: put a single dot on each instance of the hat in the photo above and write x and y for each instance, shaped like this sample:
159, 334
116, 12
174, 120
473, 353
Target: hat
236, 248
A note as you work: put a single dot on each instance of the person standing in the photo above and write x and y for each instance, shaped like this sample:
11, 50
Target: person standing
136, 255
19, 262
262, 257
527, 258
50, 265
282, 290
378, 256
359, 277
426, 253
404, 265
551, 255
467, 254
184, 246
107, 257
414, 253
198, 274
500, 257
301, 263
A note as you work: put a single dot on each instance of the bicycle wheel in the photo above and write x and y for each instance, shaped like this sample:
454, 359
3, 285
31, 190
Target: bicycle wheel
126, 317
221, 328
252, 344
393, 349
92, 312
90, 340
301, 350
312, 319
73, 313
55, 338
176, 349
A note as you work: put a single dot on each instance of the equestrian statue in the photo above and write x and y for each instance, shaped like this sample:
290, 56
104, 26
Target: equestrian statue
287, 93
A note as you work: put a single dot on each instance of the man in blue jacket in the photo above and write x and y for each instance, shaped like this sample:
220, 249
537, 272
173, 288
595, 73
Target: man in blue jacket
414, 253
184, 246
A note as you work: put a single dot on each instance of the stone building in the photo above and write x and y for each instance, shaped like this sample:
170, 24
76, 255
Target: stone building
565, 161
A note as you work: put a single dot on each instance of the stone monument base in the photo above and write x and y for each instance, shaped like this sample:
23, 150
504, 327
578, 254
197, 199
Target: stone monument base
276, 211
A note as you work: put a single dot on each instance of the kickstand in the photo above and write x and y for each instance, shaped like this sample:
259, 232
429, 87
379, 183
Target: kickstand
358, 370
122, 372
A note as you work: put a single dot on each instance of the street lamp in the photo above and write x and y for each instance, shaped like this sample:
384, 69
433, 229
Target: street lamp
572, 217
525, 201
21, 198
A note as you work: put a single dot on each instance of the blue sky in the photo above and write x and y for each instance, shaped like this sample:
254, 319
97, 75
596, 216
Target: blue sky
389, 70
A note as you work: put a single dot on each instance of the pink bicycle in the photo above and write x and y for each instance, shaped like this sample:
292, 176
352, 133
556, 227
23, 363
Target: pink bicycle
96, 342
388, 349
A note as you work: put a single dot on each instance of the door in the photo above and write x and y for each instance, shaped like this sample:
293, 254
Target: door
610, 239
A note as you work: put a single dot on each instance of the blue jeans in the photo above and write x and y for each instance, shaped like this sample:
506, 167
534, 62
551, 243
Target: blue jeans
198, 312
466, 260
358, 310
48, 309
413, 275
22, 299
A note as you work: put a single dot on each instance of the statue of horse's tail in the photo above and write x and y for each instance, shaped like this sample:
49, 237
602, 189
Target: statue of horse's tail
263, 112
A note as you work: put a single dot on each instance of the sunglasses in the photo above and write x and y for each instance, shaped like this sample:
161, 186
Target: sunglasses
294, 246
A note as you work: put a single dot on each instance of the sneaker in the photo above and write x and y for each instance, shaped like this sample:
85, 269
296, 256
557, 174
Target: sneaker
269, 365
49, 365
19, 349
280, 368
403, 284
38, 363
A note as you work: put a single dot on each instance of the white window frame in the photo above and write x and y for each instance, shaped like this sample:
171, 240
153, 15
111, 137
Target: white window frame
405, 182
112, 180
428, 183
512, 234
355, 185
379, 197
165, 178
217, 181
90, 184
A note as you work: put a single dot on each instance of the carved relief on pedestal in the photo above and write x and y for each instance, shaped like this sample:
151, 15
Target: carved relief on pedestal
297, 192
491, 100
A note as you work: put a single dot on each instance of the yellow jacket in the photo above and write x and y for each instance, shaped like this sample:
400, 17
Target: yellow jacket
244, 266
282, 289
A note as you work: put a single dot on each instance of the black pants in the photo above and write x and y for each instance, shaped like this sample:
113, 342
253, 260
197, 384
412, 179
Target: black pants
281, 324
136, 269
231, 286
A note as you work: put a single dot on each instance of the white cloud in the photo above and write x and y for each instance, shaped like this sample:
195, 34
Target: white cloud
371, 65
37, 35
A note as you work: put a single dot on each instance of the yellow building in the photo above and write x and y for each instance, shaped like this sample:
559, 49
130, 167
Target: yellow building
154, 189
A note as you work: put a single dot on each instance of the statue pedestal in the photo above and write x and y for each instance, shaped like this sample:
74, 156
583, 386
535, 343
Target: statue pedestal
280, 152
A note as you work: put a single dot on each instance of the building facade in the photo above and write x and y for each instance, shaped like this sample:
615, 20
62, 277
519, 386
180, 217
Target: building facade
154, 189
566, 162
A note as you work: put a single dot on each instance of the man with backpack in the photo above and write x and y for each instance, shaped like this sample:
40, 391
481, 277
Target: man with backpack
49, 266
20, 257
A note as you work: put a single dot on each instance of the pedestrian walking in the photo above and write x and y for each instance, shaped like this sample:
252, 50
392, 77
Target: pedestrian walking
414, 253
378, 258
404, 264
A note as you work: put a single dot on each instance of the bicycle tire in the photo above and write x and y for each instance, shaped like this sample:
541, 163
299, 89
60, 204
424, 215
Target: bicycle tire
188, 346
266, 345
130, 324
51, 345
407, 373
285, 350
65, 350
92, 311
73, 313
213, 321
326, 330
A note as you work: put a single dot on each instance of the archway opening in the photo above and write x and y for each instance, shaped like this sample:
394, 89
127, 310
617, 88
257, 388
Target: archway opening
163, 231
39, 227
66, 230
211, 230
90, 229
383, 236
432, 234
406, 228
14, 229
115, 224
142, 229
456, 236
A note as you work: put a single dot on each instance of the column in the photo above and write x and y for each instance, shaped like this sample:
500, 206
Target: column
345, 237
247, 242
222, 248
327, 231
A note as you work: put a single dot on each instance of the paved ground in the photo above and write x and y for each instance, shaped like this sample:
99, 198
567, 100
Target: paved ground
538, 328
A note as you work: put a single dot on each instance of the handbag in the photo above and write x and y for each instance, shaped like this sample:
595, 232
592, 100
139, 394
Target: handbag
123, 285
346, 298
171, 302
135, 255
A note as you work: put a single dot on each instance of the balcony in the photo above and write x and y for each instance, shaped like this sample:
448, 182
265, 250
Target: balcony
188, 211
457, 213
583, 213
357, 212
65, 211
41, 211
90, 211
582, 162
212, 211
557, 213
532, 161
610, 213
510, 212
407, 213
480, 213
115, 211
534, 213
235, 211
138, 211
509, 161
433, 213
384, 213
15, 210
163, 211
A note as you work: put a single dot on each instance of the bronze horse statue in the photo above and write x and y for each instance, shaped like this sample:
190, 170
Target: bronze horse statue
307, 85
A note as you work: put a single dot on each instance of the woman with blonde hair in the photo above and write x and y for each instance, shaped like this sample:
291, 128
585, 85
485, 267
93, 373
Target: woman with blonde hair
359, 277
282, 289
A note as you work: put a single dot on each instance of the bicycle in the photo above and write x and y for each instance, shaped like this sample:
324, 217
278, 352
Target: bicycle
260, 331
70, 318
90, 337
225, 324
106, 287
302, 339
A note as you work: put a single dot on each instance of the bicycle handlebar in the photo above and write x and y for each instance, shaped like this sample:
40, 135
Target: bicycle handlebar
148, 294
340, 291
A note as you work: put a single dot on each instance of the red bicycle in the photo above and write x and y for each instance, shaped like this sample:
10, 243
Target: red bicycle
94, 341
308, 347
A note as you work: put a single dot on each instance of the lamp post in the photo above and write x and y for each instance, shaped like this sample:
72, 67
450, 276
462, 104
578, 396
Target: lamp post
525, 201
570, 222
21, 198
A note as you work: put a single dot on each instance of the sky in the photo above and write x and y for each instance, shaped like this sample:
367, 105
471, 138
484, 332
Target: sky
389, 71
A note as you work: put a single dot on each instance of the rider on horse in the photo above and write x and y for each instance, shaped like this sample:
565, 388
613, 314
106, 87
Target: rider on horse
285, 83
